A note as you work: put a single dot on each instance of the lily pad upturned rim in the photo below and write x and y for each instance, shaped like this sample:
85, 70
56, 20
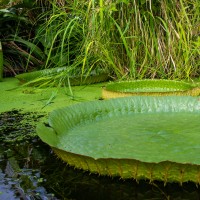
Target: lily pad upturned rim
73, 115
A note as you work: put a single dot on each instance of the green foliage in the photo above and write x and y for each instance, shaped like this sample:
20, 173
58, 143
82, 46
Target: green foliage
64, 35
133, 39
58, 76
1, 62
17, 29
145, 39
149, 87
89, 136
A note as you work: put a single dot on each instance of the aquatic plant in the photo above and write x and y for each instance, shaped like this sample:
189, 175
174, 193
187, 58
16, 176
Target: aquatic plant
55, 77
153, 138
149, 87
1, 62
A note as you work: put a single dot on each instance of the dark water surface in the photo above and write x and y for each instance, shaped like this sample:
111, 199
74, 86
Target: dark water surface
30, 170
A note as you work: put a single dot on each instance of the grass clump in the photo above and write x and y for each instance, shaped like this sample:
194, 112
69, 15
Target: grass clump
145, 39
130, 39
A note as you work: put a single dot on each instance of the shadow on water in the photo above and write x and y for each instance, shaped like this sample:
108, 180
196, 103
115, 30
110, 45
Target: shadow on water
29, 170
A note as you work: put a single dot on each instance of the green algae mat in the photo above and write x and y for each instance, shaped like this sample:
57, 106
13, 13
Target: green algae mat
29, 99
150, 87
155, 138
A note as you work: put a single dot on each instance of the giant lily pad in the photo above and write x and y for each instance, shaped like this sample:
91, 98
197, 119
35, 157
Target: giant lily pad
154, 87
36, 78
155, 138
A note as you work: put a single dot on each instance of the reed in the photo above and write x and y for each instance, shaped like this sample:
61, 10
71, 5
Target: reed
133, 39
1, 62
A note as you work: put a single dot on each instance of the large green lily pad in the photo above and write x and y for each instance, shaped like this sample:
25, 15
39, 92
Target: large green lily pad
139, 137
149, 87
53, 77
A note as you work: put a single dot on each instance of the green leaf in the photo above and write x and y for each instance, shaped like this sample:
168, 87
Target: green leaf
123, 1
155, 87
4, 11
1, 62
34, 48
47, 134
111, 134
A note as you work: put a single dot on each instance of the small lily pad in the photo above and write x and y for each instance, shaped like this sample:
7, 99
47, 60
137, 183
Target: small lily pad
151, 87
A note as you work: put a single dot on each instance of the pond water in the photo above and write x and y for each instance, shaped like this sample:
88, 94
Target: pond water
30, 170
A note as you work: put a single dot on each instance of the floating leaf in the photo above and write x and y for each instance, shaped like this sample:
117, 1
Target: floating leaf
151, 87
154, 138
